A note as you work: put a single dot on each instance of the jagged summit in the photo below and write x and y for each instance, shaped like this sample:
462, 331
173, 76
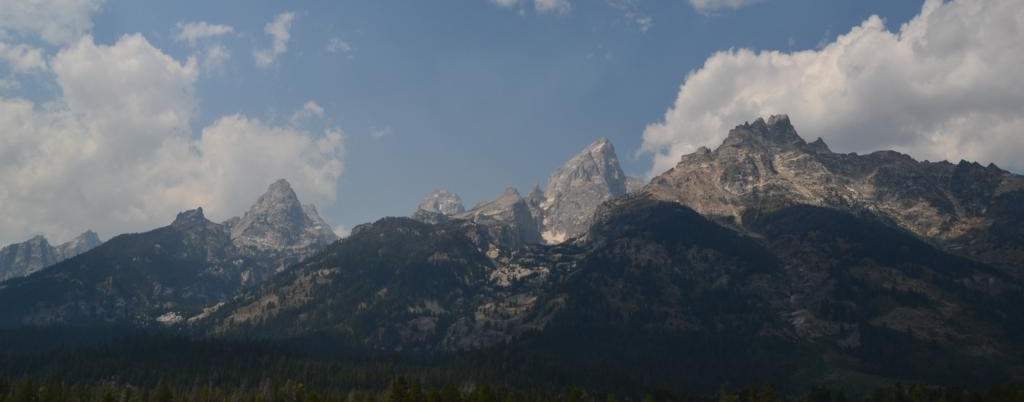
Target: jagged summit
778, 131
508, 218
36, 253
443, 202
765, 166
86, 241
819, 146
279, 221
190, 218
576, 189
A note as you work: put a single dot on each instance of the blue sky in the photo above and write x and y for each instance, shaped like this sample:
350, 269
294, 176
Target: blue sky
467, 95
475, 97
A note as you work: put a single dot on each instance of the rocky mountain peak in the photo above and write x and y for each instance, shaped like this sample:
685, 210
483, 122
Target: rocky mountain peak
776, 132
443, 202
765, 166
190, 219
536, 194
508, 218
38, 240
86, 241
509, 196
279, 221
819, 146
576, 189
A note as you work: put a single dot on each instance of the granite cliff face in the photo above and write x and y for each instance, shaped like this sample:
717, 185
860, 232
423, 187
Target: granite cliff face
32, 255
560, 212
507, 219
170, 274
766, 166
439, 206
278, 221
443, 202
576, 189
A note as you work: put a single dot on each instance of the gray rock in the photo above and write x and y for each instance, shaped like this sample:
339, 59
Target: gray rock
84, 242
507, 218
634, 184
765, 166
443, 202
30, 256
576, 189
278, 221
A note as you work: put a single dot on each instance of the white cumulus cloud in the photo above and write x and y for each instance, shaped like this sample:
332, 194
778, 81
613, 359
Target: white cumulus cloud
542, 6
193, 32
55, 21
710, 6
116, 152
22, 58
946, 85
215, 57
279, 31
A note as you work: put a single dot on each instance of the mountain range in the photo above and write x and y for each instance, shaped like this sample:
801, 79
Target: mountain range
767, 259
173, 272
25, 258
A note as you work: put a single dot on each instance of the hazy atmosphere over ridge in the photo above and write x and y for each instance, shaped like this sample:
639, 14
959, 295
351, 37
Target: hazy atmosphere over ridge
116, 115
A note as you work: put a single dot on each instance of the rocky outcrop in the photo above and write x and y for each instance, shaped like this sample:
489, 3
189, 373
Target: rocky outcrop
561, 211
765, 166
634, 184
576, 189
278, 221
84, 242
507, 219
443, 202
23, 259
439, 206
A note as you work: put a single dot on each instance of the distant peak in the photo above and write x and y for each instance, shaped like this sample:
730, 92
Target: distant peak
779, 120
443, 202
777, 131
189, 218
602, 147
89, 236
819, 146
510, 191
279, 195
281, 185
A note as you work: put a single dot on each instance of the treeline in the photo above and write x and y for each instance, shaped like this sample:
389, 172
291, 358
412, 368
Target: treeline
402, 390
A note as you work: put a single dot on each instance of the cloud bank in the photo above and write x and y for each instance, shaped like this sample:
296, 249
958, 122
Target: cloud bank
542, 6
279, 31
193, 32
710, 6
55, 21
946, 85
116, 151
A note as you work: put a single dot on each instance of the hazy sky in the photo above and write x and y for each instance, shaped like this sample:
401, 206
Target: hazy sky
114, 115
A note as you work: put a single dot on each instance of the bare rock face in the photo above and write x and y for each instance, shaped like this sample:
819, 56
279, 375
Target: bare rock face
23, 259
439, 206
443, 202
507, 218
765, 166
279, 221
576, 189
562, 211
634, 184
84, 242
